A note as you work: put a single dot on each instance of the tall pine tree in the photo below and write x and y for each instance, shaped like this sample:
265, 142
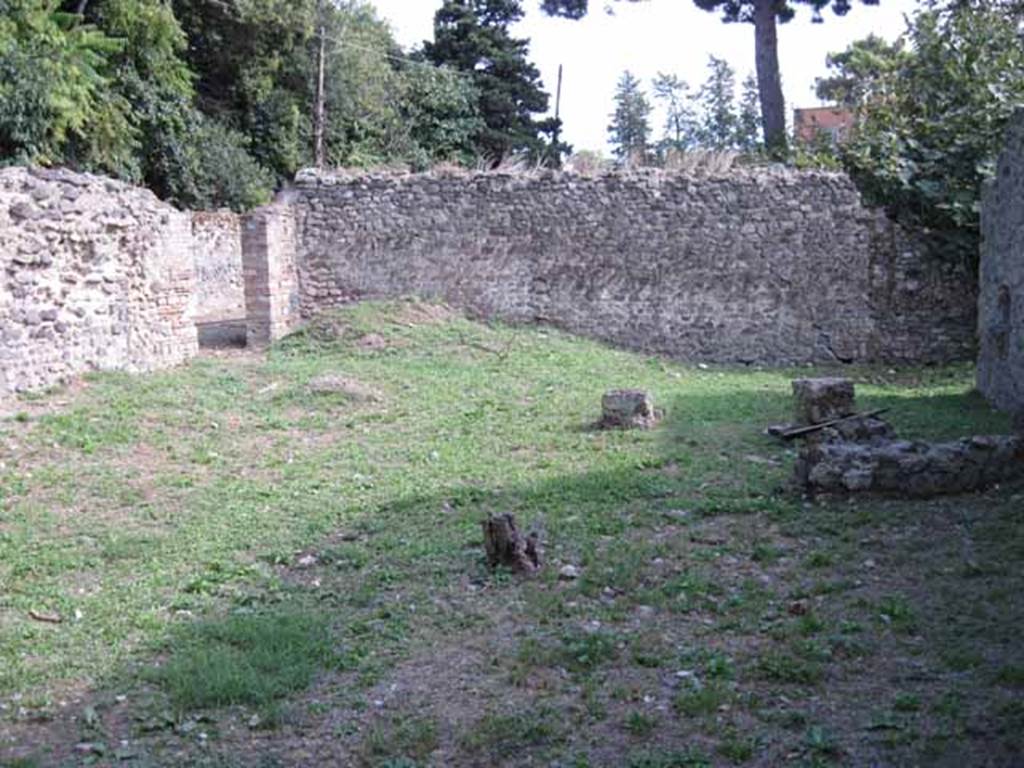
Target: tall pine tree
630, 129
680, 117
717, 99
748, 124
473, 36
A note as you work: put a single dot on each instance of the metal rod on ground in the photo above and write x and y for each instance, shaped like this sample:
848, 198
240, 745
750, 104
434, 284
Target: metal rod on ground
789, 434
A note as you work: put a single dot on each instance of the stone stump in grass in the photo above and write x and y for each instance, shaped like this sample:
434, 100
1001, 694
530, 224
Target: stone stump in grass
819, 400
507, 547
627, 409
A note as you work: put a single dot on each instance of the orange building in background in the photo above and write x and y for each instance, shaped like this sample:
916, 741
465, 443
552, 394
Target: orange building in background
810, 123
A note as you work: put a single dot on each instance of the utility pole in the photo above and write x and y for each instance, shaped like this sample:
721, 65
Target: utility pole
319, 114
558, 94
556, 136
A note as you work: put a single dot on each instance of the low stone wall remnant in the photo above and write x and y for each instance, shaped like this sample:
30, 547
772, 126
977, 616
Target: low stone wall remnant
912, 469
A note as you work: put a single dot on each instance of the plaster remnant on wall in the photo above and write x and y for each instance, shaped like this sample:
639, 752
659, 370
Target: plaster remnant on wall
217, 252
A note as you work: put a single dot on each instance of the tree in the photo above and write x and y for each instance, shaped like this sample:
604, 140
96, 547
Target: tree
472, 36
57, 103
630, 127
718, 123
748, 120
439, 113
253, 67
680, 131
764, 15
862, 73
928, 145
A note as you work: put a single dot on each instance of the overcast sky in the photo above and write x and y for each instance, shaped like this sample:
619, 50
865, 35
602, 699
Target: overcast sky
659, 36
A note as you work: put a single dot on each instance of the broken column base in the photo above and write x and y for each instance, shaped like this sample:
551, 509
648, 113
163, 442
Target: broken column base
913, 469
819, 400
627, 409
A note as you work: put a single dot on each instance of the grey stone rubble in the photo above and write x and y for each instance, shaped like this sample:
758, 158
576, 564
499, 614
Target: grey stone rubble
1001, 300
908, 468
863, 455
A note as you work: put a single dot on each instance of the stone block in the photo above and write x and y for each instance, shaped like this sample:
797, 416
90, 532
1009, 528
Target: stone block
819, 400
627, 409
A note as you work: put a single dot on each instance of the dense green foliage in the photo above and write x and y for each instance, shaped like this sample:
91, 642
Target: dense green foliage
860, 74
211, 103
472, 36
932, 113
56, 99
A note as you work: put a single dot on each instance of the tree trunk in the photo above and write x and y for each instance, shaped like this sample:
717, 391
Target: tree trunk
506, 547
769, 82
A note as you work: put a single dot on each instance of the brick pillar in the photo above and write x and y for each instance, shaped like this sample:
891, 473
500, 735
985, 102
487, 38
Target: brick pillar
268, 267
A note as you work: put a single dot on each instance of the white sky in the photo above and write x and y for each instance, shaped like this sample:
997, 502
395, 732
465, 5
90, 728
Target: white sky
659, 35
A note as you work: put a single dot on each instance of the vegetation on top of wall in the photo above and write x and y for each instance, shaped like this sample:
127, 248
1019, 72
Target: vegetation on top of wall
932, 111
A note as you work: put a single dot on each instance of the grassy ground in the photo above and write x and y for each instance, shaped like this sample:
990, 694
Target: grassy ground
248, 574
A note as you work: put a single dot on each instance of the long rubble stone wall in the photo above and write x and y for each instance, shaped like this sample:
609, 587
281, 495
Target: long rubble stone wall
94, 275
761, 265
753, 265
1001, 302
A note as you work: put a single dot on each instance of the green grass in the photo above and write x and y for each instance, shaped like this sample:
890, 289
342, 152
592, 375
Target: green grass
163, 518
244, 659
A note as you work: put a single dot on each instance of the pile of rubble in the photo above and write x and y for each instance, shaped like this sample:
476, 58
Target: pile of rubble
861, 453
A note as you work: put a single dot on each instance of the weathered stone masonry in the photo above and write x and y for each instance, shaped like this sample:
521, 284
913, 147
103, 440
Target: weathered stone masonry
768, 266
1001, 301
94, 274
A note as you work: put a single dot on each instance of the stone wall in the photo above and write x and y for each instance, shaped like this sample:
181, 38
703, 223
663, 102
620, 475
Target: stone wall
217, 253
766, 265
1001, 300
94, 274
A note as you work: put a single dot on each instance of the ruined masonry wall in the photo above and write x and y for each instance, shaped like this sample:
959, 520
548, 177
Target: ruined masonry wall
1001, 301
756, 265
94, 274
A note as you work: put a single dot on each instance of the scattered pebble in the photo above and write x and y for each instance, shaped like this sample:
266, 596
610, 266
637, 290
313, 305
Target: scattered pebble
568, 572
677, 514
